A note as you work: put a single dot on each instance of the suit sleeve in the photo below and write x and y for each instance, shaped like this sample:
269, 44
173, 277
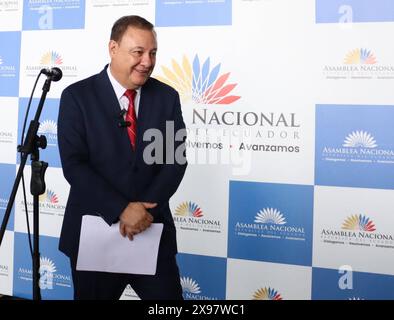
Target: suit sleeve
93, 193
170, 176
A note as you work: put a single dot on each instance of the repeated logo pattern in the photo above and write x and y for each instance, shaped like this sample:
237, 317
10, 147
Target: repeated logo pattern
203, 79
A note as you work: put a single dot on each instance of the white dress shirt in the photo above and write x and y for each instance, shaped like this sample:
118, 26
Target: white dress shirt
120, 90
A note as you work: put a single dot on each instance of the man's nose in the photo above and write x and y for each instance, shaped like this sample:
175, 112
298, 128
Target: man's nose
147, 60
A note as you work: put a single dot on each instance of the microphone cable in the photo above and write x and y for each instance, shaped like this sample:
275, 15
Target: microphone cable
23, 178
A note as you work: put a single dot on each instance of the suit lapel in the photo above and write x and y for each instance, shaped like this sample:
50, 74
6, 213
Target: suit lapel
106, 95
109, 103
144, 112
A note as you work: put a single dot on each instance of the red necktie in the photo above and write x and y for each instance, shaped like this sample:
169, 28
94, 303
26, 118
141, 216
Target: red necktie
131, 117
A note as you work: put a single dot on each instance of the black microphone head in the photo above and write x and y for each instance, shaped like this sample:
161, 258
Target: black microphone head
57, 74
46, 71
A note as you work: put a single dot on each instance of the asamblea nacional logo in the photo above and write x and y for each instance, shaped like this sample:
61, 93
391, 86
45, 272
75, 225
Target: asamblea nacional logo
47, 269
3, 203
4, 270
358, 222
218, 120
360, 139
360, 56
358, 146
270, 215
49, 202
357, 230
359, 63
49, 129
51, 59
198, 82
189, 285
6, 136
192, 291
267, 294
9, 61
189, 216
49, 196
270, 223
7, 70
49, 276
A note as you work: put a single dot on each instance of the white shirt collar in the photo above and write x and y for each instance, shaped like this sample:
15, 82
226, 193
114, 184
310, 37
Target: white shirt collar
120, 90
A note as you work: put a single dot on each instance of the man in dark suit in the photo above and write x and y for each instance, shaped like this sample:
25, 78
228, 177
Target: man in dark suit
102, 152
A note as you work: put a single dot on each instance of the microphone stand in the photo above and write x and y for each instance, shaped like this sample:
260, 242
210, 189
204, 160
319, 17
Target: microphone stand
31, 146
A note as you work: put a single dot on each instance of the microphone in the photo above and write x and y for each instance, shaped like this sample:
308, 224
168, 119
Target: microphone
55, 73
122, 123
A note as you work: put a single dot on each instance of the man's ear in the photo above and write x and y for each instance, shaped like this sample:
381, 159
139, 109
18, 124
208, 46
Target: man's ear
112, 47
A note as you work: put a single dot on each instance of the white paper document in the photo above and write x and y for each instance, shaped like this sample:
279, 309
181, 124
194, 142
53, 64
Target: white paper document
103, 248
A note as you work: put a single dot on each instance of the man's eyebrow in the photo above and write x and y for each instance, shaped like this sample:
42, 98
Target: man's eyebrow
142, 48
138, 47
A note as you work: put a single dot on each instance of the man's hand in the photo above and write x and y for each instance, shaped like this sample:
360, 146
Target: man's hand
135, 218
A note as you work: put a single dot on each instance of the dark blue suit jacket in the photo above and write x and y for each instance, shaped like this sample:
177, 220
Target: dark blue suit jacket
104, 173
